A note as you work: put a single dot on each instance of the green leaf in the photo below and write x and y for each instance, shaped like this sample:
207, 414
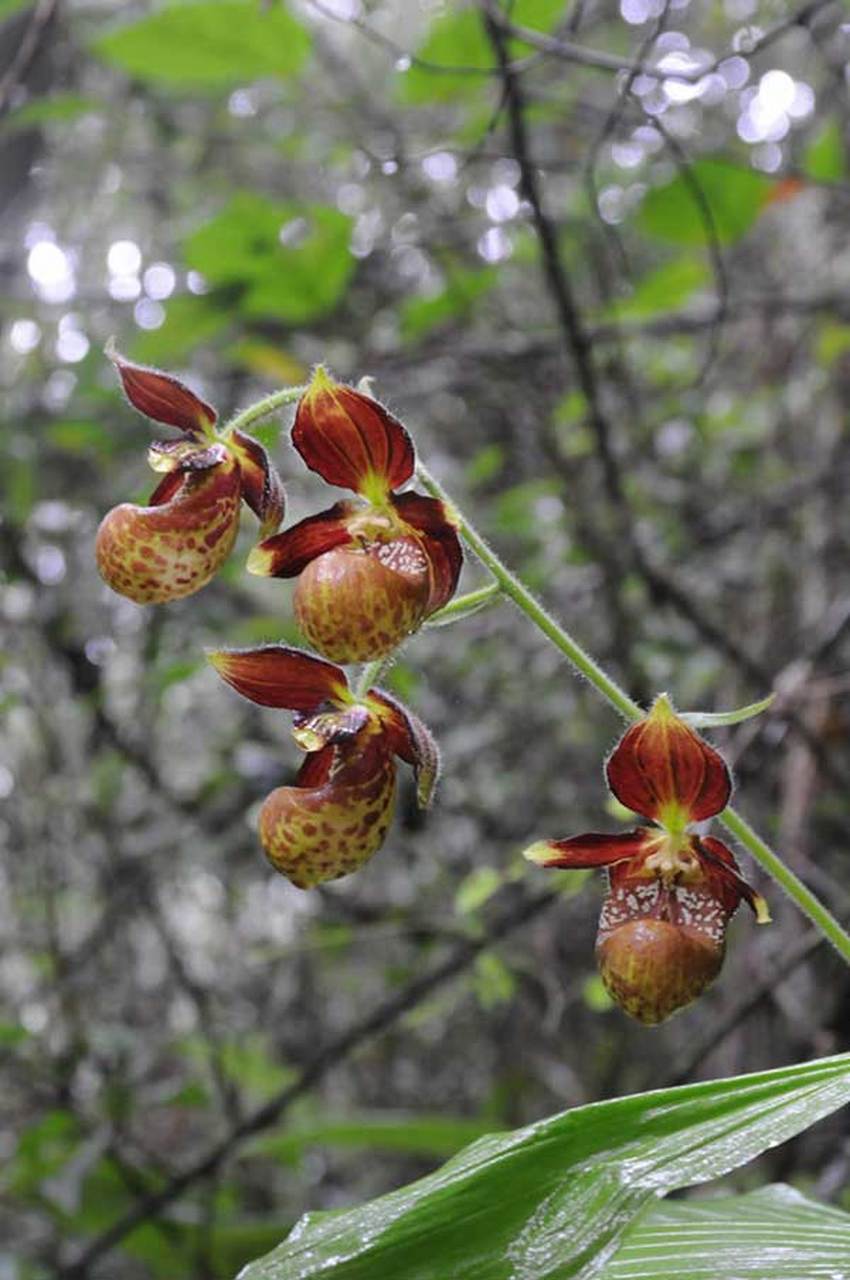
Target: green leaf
771, 1234
190, 321
712, 719
419, 316
291, 258
736, 197
59, 107
413, 1134
667, 287
550, 1201
823, 158
8, 7
207, 44
458, 39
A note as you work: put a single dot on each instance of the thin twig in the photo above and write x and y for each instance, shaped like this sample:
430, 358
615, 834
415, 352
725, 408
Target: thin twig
27, 51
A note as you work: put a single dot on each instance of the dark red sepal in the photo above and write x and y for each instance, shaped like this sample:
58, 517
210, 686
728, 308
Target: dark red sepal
578, 853
278, 676
163, 397
661, 762
350, 439
413, 741
287, 553
262, 487
440, 540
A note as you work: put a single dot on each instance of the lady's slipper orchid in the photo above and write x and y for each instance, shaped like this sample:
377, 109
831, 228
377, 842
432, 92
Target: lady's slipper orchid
336, 815
672, 892
175, 545
368, 573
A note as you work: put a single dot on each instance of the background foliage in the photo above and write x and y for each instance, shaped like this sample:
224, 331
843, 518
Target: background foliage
612, 307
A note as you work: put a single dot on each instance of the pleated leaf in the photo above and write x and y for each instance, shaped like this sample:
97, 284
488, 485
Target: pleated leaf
771, 1234
551, 1201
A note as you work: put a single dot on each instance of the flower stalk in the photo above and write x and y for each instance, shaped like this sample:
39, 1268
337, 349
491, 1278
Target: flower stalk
584, 665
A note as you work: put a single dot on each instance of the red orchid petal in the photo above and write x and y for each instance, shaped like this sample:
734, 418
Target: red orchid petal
317, 832
350, 439
174, 546
661, 763
287, 553
441, 543
262, 487
589, 850
409, 738
723, 875
163, 397
278, 676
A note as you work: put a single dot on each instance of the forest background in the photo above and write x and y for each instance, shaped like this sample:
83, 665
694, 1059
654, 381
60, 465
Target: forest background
599, 264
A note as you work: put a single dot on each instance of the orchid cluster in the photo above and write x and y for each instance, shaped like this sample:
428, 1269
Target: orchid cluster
370, 571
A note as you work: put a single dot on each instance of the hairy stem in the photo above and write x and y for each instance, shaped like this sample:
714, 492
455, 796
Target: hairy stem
263, 408
586, 666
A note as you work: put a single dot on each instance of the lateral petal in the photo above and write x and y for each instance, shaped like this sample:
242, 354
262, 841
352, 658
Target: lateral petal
287, 553
163, 397
276, 675
440, 541
411, 739
350, 439
262, 487
592, 849
173, 547
661, 766
722, 873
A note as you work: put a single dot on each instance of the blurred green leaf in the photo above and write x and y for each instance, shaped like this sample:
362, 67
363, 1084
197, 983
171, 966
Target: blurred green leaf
8, 7
476, 888
58, 107
492, 980
735, 196
419, 316
412, 1134
207, 44
292, 259
774, 1233
457, 38
824, 158
190, 321
552, 1199
665, 288
83, 438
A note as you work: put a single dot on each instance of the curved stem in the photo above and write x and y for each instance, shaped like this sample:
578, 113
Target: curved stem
586, 666
371, 674
263, 408
519, 593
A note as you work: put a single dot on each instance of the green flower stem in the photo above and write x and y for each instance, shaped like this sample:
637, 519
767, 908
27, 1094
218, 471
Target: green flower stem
511, 585
785, 878
371, 674
584, 665
263, 408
